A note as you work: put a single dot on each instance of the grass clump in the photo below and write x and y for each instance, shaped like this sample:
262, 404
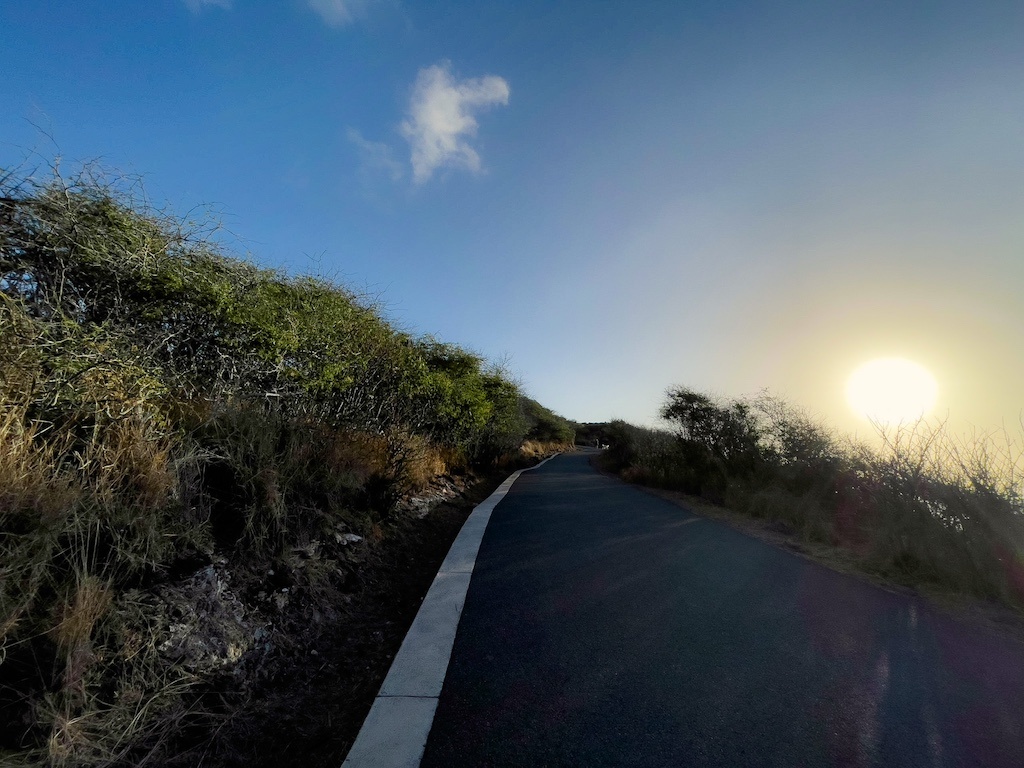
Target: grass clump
925, 508
175, 424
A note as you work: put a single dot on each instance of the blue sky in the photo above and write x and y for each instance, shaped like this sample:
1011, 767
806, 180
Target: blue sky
616, 196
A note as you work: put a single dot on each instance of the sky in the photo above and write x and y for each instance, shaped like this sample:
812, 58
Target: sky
612, 197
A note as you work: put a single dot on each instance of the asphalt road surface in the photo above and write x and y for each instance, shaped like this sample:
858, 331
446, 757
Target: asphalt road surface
604, 626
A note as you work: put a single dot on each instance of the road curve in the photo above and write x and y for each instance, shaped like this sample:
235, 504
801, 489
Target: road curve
606, 627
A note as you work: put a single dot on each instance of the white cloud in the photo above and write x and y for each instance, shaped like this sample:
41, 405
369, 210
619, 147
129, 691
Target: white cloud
197, 6
377, 156
338, 13
441, 119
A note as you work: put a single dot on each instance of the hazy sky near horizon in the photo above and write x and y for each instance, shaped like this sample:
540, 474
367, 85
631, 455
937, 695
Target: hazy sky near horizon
617, 196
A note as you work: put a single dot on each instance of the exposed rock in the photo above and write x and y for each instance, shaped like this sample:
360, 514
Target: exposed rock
441, 490
208, 627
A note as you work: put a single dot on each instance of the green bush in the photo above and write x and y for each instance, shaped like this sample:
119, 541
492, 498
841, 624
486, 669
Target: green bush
544, 425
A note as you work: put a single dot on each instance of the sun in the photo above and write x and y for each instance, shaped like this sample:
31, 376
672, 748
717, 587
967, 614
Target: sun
892, 390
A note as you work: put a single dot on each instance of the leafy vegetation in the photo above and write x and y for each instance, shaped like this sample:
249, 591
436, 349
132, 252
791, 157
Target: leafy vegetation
593, 434
175, 424
925, 508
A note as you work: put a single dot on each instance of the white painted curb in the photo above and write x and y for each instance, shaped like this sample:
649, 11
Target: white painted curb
395, 731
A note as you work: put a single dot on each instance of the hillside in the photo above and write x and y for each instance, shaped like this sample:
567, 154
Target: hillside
203, 465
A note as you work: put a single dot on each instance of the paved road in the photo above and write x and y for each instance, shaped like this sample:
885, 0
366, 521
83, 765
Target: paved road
604, 626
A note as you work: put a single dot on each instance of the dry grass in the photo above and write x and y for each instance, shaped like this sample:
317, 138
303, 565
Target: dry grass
78, 614
532, 451
535, 449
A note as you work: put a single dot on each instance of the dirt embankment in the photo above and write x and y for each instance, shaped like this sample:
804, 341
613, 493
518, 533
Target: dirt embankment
302, 700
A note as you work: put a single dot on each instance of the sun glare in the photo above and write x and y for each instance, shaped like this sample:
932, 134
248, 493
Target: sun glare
891, 390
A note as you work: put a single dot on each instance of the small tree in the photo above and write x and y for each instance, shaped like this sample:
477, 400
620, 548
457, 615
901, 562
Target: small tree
729, 432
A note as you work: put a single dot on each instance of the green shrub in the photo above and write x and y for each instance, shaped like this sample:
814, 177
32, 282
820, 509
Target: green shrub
544, 425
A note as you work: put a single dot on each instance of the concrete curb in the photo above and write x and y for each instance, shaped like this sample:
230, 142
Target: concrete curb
395, 731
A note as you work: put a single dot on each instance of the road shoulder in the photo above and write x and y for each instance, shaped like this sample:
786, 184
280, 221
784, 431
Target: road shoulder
989, 616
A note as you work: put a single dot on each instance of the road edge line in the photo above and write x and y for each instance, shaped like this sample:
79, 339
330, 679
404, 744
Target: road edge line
394, 733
